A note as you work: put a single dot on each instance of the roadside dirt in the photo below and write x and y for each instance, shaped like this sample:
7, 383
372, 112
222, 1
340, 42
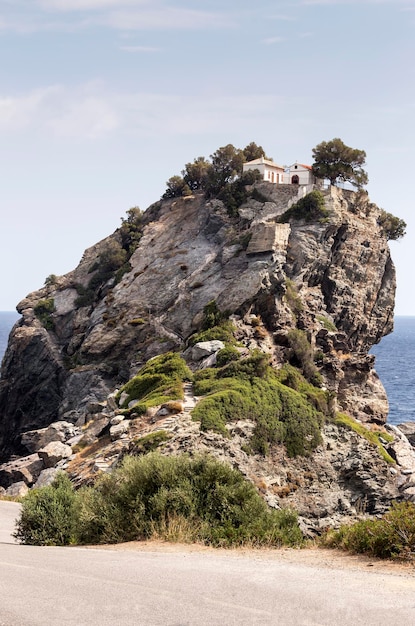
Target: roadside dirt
311, 556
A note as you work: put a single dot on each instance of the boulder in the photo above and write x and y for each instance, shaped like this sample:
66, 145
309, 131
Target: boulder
26, 469
17, 490
203, 349
97, 425
408, 429
118, 430
123, 398
401, 450
54, 452
117, 419
34, 440
46, 477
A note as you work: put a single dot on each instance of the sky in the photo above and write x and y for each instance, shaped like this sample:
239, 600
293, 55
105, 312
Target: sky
101, 101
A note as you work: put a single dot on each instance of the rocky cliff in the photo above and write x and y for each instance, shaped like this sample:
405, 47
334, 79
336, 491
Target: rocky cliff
269, 267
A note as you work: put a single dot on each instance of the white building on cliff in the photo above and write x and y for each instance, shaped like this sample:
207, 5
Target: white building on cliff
299, 174
269, 170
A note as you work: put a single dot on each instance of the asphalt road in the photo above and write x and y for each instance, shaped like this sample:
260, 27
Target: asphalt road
118, 587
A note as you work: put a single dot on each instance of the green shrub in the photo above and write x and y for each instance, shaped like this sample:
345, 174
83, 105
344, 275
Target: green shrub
226, 355
222, 332
158, 382
255, 365
43, 310
292, 297
149, 442
310, 208
326, 323
393, 227
393, 536
131, 230
193, 499
146, 494
212, 316
251, 389
48, 516
234, 194
371, 436
303, 355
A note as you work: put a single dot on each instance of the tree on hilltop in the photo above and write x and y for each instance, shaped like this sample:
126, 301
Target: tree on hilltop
227, 164
252, 152
338, 162
214, 175
176, 187
195, 174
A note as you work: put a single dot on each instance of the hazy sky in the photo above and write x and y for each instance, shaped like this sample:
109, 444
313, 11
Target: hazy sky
101, 101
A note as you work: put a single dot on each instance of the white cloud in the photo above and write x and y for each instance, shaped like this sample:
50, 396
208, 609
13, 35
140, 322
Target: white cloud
125, 15
87, 5
164, 19
59, 111
91, 112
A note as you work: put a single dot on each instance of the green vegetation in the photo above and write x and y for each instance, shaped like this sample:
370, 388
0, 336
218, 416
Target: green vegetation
292, 377
174, 498
285, 407
223, 332
43, 311
176, 187
113, 261
51, 280
131, 230
226, 355
236, 193
337, 162
303, 355
212, 316
48, 516
159, 381
149, 442
371, 436
220, 177
215, 326
326, 323
293, 299
310, 208
393, 536
393, 227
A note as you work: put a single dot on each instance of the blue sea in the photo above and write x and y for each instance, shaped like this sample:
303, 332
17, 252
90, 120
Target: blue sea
395, 364
7, 320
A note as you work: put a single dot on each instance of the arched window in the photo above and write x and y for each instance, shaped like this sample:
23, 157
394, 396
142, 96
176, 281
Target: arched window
295, 180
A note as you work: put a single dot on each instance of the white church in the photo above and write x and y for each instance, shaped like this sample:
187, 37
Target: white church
296, 174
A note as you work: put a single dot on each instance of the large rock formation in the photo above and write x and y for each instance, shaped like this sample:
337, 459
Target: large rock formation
84, 334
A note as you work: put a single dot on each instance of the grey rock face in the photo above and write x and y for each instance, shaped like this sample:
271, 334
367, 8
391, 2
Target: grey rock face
46, 477
34, 440
332, 279
204, 349
408, 429
25, 469
17, 490
120, 429
54, 452
192, 252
